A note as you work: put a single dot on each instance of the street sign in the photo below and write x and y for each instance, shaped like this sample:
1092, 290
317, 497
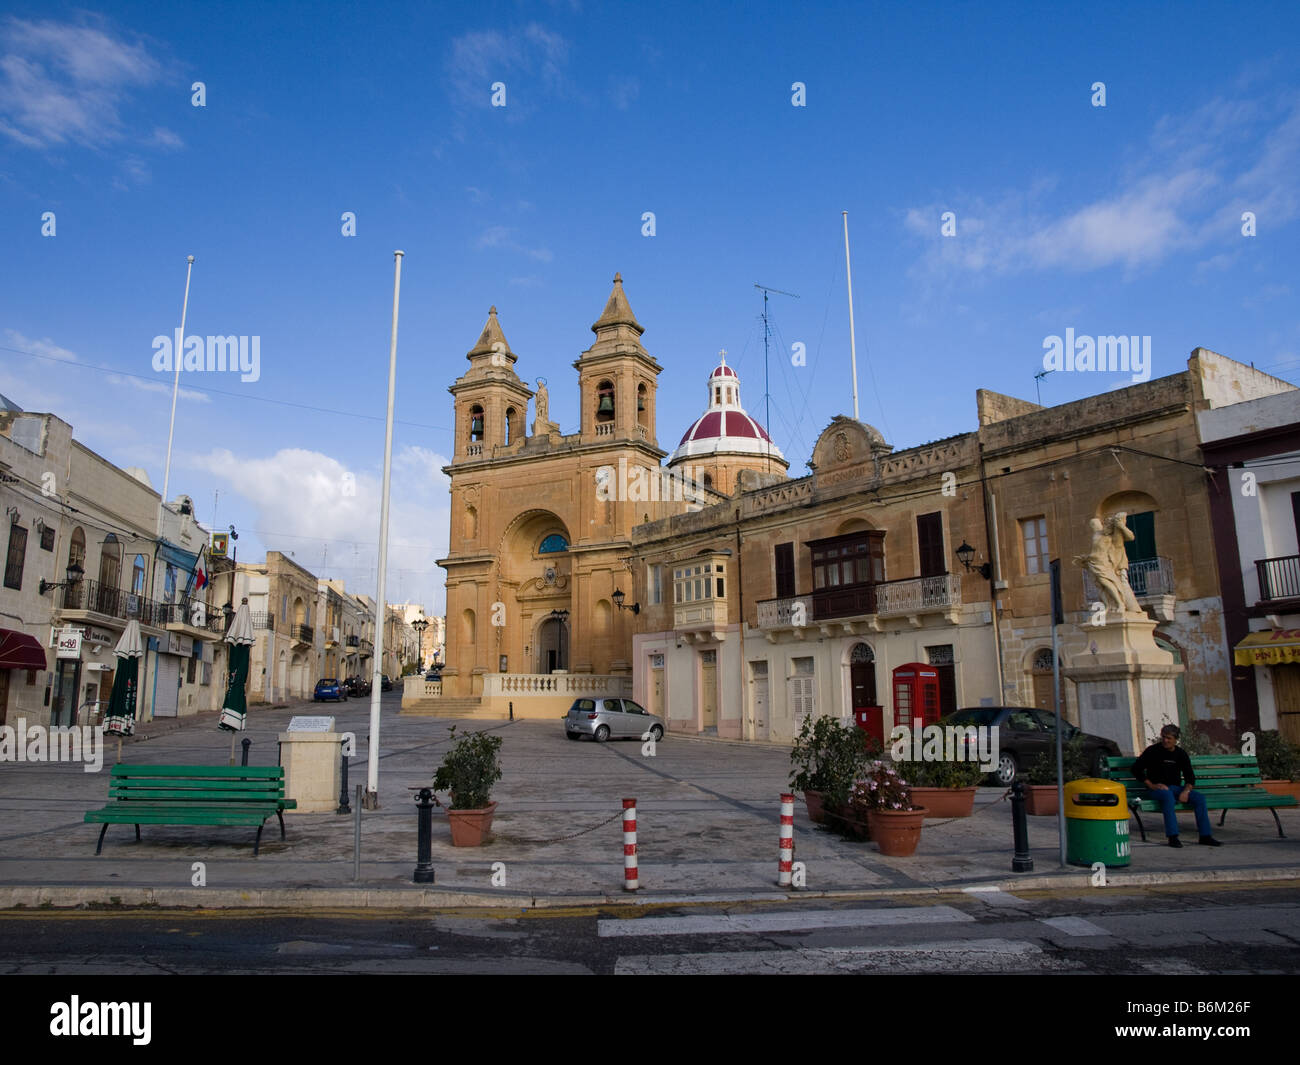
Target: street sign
307, 723
69, 643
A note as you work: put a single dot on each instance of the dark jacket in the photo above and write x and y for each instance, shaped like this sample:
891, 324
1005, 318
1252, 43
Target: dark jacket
1164, 767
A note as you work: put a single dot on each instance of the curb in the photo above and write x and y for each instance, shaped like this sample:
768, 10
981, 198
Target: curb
115, 898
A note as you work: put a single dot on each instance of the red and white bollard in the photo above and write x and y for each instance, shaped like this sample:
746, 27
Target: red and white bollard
630, 881
786, 864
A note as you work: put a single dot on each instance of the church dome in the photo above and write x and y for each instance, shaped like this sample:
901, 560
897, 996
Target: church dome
725, 427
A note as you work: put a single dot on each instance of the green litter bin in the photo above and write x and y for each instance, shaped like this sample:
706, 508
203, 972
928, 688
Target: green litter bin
1096, 823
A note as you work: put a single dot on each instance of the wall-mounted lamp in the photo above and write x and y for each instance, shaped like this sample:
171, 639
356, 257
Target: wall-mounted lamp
966, 555
618, 602
74, 575
14, 516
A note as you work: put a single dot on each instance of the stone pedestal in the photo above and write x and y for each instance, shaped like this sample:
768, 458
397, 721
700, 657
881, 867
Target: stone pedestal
311, 763
1125, 683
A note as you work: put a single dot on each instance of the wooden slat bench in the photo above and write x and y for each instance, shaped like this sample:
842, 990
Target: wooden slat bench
1228, 782
193, 795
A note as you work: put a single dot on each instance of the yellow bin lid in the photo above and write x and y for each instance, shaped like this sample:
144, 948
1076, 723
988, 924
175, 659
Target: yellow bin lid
1092, 799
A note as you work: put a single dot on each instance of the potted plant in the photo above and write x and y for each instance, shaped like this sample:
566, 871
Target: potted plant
1040, 777
944, 788
468, 770
1279, 764
884, 798
827, 757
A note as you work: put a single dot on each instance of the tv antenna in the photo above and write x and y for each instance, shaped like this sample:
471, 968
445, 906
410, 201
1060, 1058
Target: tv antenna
767, 394
1038, 382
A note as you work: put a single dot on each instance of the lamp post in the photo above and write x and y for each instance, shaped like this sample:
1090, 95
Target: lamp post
618, 602
74, 574
419, 625
966, 554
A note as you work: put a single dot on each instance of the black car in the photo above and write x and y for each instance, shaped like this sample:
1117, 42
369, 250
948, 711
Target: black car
357, 686
385, 685
1024, 732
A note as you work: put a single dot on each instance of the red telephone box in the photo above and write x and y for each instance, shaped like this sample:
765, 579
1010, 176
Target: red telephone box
916, 694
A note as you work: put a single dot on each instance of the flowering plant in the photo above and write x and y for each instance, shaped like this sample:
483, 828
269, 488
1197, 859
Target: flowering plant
881, 789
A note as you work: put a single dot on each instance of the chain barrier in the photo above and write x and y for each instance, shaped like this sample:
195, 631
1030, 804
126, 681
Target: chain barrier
557, 839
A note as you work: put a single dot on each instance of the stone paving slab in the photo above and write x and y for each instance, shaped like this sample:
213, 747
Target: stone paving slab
707, 816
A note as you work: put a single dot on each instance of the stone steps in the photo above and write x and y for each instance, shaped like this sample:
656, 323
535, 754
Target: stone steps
463, 706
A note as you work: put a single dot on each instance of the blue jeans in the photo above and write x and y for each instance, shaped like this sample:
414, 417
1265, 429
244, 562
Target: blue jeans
1169, 798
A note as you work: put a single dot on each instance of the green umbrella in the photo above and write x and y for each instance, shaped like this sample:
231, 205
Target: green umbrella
119, 719
234, 710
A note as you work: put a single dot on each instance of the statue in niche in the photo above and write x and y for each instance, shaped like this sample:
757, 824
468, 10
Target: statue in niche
1108, 563
543, 401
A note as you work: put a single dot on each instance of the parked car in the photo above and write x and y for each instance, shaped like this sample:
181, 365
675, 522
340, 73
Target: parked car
330, 688
357, 686
385, 685
609, 718
433, 674
1024, 732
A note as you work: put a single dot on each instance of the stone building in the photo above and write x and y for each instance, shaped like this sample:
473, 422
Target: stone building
541, 522
282, 599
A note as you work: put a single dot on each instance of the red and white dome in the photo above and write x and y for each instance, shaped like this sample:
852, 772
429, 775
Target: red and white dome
724, 428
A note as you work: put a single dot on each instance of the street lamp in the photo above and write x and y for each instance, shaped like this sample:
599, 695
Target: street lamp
419, 625
966, 554
618, 602
562, 616
74, 575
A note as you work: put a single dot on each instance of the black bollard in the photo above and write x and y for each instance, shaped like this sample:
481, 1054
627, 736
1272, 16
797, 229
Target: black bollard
424, 847
512, 711
344, 808
1021, 863
247, 744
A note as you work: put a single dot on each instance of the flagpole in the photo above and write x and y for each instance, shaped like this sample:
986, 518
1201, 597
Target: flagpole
371, 800
176, 387
853, 344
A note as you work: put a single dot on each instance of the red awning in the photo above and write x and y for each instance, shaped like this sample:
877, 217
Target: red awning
20, 651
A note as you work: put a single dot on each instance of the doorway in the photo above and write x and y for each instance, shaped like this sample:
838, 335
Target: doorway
709, 689
67, 679
758, 675
552, 645
656, 691
867, 710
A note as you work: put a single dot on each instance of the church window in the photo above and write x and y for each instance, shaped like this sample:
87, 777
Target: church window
554, 542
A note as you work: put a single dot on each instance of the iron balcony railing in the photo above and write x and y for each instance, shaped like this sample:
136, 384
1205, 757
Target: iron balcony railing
264, 620
1146, 576
302, 634
1279, 578
910, 595
93, 597
354, 641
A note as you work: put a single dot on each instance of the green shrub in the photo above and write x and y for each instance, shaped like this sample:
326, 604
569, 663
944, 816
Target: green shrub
941, 774
1197, 743
1278, 758
1074, 758
828, 756
469, 769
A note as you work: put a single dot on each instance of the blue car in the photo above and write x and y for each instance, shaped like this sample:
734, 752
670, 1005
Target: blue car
330, 688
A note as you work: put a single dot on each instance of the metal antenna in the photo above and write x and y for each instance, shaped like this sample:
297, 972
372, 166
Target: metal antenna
767, 394
1038, 383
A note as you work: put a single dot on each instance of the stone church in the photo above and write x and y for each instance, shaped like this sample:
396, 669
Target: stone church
541, 521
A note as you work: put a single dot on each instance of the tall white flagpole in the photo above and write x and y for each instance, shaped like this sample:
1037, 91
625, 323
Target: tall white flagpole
371, 801
853, 345
176, 387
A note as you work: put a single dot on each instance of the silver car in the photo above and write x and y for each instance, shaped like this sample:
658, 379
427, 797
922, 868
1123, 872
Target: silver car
606, 718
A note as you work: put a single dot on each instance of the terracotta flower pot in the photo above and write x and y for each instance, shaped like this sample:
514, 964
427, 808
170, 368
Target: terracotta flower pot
945, 802
813, 800
1282, 787
897, 832
468, 827
1040, 800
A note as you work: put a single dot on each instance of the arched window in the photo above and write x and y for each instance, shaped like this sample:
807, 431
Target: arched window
137, 576
708, 480
110, 563
169, 585
861, 653
471, 523
642, 414
476, 424
554, 542
605, 401
510, 424
77, 548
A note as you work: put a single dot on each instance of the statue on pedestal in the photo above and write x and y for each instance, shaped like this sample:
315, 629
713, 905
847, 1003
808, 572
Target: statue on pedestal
1108, 563
543, 401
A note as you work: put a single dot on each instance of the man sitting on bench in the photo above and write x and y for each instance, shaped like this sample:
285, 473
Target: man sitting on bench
1163, 767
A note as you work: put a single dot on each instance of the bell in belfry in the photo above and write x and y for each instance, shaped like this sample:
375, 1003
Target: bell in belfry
476, 425
606, 406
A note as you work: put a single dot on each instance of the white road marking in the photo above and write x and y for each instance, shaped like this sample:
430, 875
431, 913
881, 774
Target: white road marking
1075, 926
995, 896
975, 955
778, 922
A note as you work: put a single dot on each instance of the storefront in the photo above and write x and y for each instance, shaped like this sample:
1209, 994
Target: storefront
1277, 652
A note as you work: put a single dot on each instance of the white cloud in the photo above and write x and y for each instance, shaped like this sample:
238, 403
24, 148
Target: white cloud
158, 386
308, 502
534, 57
46, 347
62, 83
502, 237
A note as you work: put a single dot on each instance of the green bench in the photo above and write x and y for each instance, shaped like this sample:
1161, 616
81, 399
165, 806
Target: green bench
1228, 782
193, 795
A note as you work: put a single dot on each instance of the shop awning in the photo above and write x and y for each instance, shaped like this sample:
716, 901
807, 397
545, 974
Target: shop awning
20, 651
1269, 647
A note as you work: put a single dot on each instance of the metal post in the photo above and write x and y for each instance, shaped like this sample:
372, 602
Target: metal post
853, 343
1021, 863
424, 849
381, 597
177, 350
356, 837
512, 711
247, 743
344, 808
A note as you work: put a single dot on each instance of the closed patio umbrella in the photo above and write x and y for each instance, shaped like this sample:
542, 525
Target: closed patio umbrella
119, 719
234, 710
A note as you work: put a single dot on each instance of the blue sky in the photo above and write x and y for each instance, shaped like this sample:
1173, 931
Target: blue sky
1123, 219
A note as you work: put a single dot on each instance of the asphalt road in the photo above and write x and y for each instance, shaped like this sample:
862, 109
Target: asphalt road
1201, 929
